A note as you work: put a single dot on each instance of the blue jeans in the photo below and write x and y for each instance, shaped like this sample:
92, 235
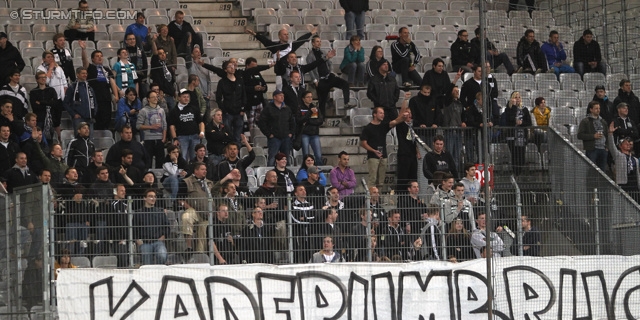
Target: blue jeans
172, 183
188, 146
153, 251
214, 159
234, 123
453, 143
599, 157
564, 68
276, 145
78, 232
314, 141
355, 24
171, 102
355, 71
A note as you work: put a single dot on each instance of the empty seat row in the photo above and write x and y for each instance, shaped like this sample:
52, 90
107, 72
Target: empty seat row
111, 4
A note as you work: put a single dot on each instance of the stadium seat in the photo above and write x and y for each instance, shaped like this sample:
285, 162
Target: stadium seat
265, 16
567, 102
414, 5
335, 16
119, 4
289, 16
437, 5
383, 16
105, 262
168, 4
407, 18
248, 6
299, 4
323, 4
391, 4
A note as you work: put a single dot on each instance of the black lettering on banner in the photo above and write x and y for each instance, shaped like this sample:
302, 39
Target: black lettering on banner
473, 295
587, 292
615, 293
365, 288
318, 292
423, 286
392, 299
109, 282
192, 286
573, 274
527, 289
277, 277
228, 308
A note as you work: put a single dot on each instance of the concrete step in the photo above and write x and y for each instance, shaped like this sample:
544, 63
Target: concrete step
215, 28
211, 9
258, 54
330, 131
340, 141
222, 22
354, 160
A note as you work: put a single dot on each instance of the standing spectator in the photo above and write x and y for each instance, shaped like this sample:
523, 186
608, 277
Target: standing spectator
330, 227
286, 178
97, 161
183, 34
275, 196
256, 240
472, 190
627, 169
452, 117
541, 115
201, 156
326, 254
196, 95
167, 43
62, 56
462, 52
624, 127
608, 110
74, 210
322, 76
405, 57
458, 207
255, 87
52, 162
15, 93
309, 120
10, 59
127, 142
342, 176
593, 131
152, 124
232, 161
218, 136
513, 5
289, 63
277, 124
353, 62
175, 169
80, 150
184, 124
282, 47
474, 85
139, 31
47, 106
438, 160
195, 67
530, 57
164, 75
587, 55
458, 243
517, 117
196, 190
313, 189
531, 239
126, 72
374, 140
162, 102
624, 95
354, 14
81, 25
303, 218
128, 108
223, 240
55, 75
384, 92
426, 113
100, 78
151, 230
232, 99
478, 239
309, 160
408, 153
439, 81
19, 175
125, 173
413, 208
554, 51
493, 55
8, 148
293, 93
119, 222
375, 59
394, 241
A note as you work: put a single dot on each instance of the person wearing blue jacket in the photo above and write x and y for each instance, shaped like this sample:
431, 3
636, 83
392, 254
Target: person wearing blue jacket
554, 51
353, 62
128, 108
80, 101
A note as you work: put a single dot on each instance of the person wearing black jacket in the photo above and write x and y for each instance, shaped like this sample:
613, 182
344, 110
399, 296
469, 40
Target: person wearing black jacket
587, 56
425, 112
493, 55
405, 57
100, 78
140, 154
309, 120
438, 160
625, 127
608, 110
163, 76
232, 99
627, 96
62, 56
439, 81
10, 59
47, 107
354, 14
151, 230
474, 85
462, 52
184, 123
322, 76
384, 92
17, 94
137, 57
19, 175
516, 115
73, 208
255, 87
8, 148
278, 125
232, 161
282, 47
293, 92
183, 34
530, 57
218, 136
80, 150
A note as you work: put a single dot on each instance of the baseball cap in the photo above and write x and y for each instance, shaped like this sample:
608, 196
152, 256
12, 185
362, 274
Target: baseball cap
313, 169
3, 35
624, 139
277, 92
183, 90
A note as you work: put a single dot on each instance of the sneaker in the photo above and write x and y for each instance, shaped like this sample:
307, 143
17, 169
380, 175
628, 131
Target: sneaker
407, 84
539, 70
350, 106
520, 70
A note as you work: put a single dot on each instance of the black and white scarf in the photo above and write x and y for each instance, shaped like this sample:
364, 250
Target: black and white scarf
167, 74
76, 97
125, 73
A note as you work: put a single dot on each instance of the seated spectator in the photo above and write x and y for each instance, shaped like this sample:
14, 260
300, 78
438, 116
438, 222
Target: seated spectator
309, 120
530, 57
30, 125
342, 176
541, 115
15, 93
218, 136
493, 55
255, 241
458, 241
125, 173
15, 125
19, 175
152, 124
478, 239
462, 52
175, 169
376, 58
128, 108
326, 254
587, 56
151, 230
201, 156
81, 24
63, 262
307, 161
140, 32
593, 131
554, 51
627, 172
405, 57
286, 177
353, 62
183, 34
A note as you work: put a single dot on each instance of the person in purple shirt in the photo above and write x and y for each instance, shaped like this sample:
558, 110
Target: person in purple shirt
342, 177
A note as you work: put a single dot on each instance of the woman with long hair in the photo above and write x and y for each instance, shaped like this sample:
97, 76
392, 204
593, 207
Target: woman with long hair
375, 59
307, 161
518, 118
353, 62
458, 242
128, 108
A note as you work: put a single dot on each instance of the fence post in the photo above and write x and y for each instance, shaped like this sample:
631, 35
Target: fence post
596, 201
367, 204
289, 228
443, 229
47, 249
131, 241
7, 206
518, 214
210, 229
